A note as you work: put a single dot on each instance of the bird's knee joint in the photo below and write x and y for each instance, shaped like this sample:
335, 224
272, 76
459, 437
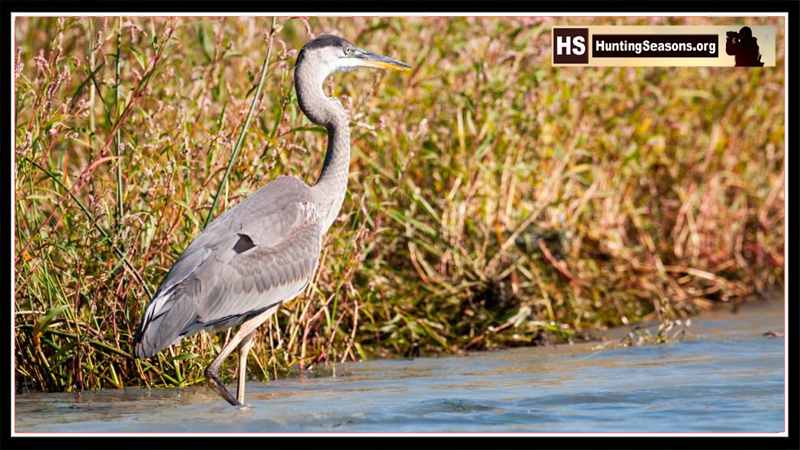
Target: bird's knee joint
246, 346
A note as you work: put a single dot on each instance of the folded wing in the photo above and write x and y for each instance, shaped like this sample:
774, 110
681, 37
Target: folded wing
252, 257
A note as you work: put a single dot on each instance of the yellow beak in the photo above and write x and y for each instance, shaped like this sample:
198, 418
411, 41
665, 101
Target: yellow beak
369, 59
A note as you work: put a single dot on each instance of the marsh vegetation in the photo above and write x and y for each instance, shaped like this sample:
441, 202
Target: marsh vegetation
493, 201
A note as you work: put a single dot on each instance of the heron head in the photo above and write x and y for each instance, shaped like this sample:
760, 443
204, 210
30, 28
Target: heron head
332, 54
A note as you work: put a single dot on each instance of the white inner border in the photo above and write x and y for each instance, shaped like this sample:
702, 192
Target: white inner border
785, 16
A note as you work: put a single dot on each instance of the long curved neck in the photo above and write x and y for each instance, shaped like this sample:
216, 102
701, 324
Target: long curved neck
329, 190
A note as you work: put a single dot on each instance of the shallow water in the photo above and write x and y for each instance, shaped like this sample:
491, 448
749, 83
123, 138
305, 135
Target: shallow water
725, 376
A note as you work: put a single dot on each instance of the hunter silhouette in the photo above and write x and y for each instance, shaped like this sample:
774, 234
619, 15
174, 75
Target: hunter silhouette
744, 47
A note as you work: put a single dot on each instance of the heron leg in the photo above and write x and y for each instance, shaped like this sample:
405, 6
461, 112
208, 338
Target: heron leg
212, 374
245, 330
244, 349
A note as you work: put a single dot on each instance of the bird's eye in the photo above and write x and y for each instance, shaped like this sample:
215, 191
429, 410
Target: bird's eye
348, 51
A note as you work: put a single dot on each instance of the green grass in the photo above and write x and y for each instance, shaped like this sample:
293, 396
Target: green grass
493, 201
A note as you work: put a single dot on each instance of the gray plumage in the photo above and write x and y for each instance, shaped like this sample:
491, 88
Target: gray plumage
264, 250
220, 280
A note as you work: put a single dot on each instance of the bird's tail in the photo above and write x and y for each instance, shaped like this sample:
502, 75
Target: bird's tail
164, 323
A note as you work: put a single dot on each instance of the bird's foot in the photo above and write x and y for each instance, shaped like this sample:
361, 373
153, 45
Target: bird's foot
217, 385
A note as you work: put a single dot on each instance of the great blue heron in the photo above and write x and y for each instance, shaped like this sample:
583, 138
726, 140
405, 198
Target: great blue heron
264, 250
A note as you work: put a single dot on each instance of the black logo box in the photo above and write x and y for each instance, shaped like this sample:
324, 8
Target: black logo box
569, 50
693, 39
570, 45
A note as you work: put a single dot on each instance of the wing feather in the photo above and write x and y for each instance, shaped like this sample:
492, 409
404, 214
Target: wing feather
218, 282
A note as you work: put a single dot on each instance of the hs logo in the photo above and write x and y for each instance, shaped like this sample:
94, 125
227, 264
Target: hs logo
570, 46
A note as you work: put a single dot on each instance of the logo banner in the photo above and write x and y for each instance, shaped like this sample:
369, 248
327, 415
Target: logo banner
710, 46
